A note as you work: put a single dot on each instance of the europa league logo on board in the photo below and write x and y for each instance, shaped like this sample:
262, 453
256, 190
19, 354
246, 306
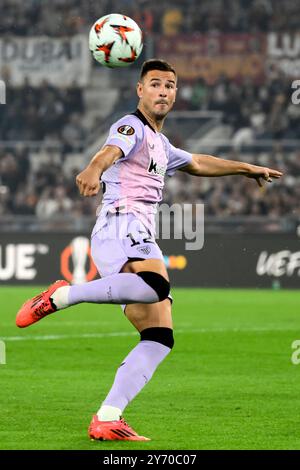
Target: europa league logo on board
76, 263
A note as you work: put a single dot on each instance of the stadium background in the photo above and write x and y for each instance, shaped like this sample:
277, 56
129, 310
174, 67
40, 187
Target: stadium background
236, 62
234, 100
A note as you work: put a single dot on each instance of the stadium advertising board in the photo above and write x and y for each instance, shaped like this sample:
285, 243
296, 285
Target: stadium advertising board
258, 260
209, 56
284, 53
60, 61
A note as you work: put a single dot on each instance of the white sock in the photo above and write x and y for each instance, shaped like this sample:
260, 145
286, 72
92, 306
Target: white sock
109, 413
61, 297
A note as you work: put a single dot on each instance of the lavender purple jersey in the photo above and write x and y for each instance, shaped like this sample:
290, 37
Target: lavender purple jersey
135, 182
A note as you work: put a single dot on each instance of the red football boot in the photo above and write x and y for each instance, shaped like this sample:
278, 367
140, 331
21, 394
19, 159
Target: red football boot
113, 431
38, 307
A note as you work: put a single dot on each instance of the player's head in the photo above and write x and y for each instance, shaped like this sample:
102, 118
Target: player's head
156, 87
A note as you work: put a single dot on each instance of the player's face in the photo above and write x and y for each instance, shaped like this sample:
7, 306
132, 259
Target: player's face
157, 92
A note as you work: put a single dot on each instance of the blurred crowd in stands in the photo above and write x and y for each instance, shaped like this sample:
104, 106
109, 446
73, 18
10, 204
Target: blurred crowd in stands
255, 112
45, 192
52, 114
43, 113
61, 17
233, 195
50, 191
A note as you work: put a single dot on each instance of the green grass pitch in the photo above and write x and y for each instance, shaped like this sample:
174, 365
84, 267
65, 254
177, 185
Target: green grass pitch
229, 383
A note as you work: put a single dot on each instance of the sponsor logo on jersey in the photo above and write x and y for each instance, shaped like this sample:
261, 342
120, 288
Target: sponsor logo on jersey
126, 130
156, 169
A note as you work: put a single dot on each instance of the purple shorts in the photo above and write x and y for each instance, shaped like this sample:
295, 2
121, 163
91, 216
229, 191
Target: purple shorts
121, 238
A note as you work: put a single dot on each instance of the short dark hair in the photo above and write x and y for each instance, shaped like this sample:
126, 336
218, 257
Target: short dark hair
156, 64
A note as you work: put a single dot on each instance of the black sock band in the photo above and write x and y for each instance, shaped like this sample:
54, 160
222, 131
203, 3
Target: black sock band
157, 282
159, 335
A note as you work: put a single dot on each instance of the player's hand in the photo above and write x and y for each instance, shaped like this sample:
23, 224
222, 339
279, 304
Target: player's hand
88, 182
260, 174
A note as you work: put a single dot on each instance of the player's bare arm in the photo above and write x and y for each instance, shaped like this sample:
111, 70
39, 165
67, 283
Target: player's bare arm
207, 165
88, 181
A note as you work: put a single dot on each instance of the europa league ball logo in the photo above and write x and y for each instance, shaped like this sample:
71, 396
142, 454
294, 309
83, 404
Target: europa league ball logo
78, 254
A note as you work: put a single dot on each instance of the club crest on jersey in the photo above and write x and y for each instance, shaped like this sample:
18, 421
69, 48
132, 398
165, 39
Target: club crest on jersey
144, 249
156, 169
126, 130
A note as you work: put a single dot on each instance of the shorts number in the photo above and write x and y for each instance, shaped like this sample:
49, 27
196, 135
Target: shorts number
134, 243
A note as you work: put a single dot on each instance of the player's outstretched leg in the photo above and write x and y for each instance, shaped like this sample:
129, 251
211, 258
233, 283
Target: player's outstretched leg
136, 369
122, 288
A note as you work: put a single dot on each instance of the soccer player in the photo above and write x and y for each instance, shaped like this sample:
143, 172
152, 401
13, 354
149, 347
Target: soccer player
131, 167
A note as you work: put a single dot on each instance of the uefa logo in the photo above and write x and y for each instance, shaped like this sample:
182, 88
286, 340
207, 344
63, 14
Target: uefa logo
76, 263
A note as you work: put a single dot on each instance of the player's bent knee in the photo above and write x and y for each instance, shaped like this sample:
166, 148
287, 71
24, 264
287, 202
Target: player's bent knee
160, 335
157, 282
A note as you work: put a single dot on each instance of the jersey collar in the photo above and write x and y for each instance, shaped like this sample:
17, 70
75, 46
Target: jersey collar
140, 115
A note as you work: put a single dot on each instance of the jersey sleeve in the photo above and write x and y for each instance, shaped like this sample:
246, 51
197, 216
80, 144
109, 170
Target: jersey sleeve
177, 159
127, 134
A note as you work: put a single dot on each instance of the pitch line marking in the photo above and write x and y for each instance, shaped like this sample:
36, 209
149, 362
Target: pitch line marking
122, 333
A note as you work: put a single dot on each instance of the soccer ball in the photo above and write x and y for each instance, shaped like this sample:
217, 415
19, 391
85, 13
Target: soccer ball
115, 40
